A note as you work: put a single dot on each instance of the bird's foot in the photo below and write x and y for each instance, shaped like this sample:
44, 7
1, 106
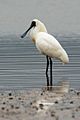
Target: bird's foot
50, 88
47, 88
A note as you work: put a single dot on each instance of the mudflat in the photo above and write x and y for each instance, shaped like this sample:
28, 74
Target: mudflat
40, 104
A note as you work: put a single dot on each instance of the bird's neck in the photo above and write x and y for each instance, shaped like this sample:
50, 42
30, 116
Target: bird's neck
34, 32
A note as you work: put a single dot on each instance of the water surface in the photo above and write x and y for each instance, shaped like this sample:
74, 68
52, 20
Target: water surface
22, 66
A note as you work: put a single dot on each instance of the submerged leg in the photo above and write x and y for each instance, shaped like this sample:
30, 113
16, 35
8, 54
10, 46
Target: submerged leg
47, 72
51, 74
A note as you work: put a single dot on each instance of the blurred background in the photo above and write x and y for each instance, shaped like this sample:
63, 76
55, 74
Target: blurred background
61, 16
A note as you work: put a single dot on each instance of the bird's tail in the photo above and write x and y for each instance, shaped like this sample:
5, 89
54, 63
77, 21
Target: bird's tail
64, 57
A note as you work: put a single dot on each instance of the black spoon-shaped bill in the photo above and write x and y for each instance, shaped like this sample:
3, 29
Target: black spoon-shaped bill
33, 24
24, 34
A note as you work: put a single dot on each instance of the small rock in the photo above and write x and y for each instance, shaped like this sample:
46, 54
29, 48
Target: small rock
41, 106
61, 109
71, 102
68, 108
35, 107
2, 94
56, 102
41, 93
76, 110
16, 107
78, 93
73, 115
31, 103
7, 110
10, 98
79, 107
3, 108
12, 106
19, 98
10, 94
71, 90
22, 101
4, 103
52, 114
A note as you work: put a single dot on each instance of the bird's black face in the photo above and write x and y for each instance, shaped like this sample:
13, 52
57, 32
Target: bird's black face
33, 24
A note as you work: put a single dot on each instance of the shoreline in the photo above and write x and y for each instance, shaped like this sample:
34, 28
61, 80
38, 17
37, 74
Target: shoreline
37, 104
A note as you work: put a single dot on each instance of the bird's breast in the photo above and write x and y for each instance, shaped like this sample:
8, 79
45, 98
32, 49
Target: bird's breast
33, 40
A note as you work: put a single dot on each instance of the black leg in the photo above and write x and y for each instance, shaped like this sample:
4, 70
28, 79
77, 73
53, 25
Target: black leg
47, 72
50, 73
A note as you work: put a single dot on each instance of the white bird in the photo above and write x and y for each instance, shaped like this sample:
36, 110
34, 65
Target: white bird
47, 45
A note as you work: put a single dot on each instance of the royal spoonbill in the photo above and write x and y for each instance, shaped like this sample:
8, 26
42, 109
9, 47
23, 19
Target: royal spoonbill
47, 45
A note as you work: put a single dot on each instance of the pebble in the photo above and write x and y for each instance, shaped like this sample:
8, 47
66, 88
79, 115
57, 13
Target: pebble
2, 94
7, 110
4, 103
61, 109
3, 108
52, 114
11, 98
41, 93
41, 106
78, 93
56, 102
73, 115
16, 107
71, 102
35, 107
19, 98
10, 94
31, 103
12, 106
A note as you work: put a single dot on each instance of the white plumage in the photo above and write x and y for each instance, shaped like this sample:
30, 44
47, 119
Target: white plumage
47, 45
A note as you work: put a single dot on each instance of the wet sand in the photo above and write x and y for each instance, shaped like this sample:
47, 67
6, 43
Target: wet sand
40, 104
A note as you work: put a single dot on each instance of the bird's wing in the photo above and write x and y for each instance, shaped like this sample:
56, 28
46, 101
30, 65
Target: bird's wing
42, 46
48, 45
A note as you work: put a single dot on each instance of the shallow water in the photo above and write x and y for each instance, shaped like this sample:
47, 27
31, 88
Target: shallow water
22, 66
